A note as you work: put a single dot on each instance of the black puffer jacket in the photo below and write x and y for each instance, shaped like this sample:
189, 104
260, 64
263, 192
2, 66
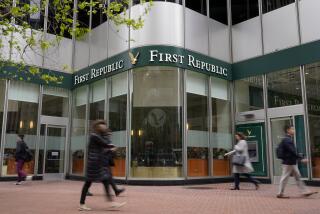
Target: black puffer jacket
95, 167
21, 150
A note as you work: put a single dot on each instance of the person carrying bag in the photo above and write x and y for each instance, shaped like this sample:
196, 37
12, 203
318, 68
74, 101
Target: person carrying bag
23, 155
241, 161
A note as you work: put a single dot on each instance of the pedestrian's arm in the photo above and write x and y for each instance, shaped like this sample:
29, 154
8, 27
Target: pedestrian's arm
291, 149
101, 140
230, 153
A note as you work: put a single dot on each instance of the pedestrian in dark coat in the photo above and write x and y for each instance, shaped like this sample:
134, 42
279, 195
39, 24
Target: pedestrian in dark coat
108, 162
95, 171
290, 164
21, 153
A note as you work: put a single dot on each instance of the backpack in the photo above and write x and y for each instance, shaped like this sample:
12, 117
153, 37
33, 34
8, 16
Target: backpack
280, 152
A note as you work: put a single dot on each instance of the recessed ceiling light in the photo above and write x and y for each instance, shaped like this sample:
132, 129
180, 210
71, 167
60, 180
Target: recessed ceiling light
307, 73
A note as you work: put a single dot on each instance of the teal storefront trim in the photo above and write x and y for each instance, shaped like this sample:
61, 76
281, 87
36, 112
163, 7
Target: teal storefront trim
160, 55
288, 58
63, 80
301, 143
156, 55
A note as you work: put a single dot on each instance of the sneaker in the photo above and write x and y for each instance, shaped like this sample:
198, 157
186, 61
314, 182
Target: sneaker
116, 205
119, 191
83, 207
282, 196
309, 194
28, 178
18, 183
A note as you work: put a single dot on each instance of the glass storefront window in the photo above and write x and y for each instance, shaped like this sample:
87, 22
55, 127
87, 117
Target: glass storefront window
55, 102
221, 136
156, 129
249, 94
312, 78
97, 101
78, 133
117, 94
197, 124
22, 118
284, 88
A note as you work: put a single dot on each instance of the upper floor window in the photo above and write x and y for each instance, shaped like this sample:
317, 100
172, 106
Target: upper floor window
35, 20
218, 10
269, 5
243, 10
99, 17
200, 6
134, 2
54, 23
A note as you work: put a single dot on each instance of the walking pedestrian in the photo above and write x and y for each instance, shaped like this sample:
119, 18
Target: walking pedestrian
288, 153
108, 155
22, 155
108, 162
241, 148
95, 172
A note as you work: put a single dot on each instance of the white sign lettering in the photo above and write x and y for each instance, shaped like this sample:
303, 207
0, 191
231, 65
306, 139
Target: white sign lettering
156, 56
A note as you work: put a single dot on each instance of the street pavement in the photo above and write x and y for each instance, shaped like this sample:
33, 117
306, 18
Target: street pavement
59, 197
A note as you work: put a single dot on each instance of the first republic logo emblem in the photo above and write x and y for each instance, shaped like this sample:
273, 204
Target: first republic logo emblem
133, 58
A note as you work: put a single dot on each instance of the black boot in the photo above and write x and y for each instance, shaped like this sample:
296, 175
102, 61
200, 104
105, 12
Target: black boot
119, 191
235, 188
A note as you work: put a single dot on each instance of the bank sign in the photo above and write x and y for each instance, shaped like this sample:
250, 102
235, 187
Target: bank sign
153, 56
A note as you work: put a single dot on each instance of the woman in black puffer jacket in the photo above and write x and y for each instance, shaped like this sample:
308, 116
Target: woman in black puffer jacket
96, 171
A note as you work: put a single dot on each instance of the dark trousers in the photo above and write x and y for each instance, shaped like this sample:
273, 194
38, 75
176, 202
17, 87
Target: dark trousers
86, 187
237, 179
21, 174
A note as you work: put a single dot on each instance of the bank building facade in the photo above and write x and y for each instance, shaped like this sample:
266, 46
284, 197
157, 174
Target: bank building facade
173, 93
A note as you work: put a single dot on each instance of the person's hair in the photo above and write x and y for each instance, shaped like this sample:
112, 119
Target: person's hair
287, 127
21, 136
96, 123
241, 135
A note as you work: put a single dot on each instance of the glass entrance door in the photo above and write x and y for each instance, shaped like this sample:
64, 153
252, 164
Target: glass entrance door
277, 134
52, 151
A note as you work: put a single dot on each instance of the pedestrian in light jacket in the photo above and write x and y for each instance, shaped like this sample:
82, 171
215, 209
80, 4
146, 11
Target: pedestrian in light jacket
242, 148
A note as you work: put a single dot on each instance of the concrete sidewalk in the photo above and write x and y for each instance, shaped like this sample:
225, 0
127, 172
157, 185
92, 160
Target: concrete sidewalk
43, 197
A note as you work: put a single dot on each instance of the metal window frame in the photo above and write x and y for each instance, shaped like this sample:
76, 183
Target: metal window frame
306, 121
4, 125
261, 26
38, 131
129, 123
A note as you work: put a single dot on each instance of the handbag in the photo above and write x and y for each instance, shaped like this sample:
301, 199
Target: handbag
238, 159
28, 155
